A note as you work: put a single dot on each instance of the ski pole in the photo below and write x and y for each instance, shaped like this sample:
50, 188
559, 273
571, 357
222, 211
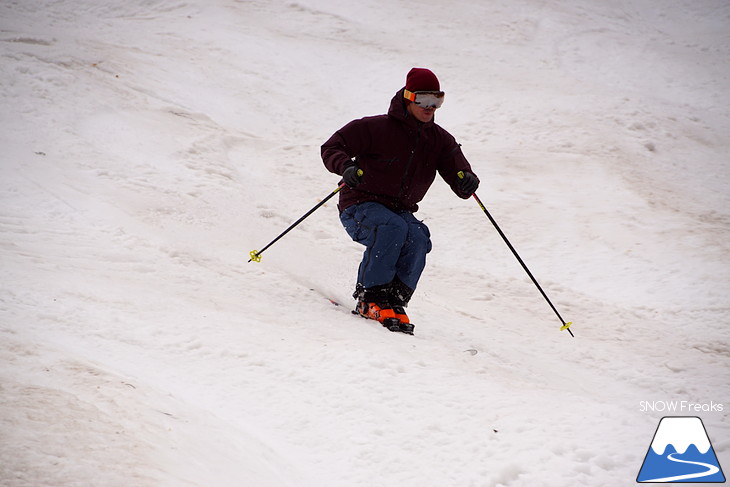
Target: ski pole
566, 326
256, 254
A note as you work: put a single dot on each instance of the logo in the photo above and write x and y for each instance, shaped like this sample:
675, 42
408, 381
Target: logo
681, 452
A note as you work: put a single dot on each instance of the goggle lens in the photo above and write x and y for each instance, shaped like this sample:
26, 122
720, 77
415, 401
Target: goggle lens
425, 99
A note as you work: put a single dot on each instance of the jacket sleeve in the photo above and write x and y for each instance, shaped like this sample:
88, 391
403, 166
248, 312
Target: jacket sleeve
343, 146
453, 161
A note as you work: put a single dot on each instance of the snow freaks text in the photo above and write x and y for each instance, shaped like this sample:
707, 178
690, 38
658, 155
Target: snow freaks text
680, 407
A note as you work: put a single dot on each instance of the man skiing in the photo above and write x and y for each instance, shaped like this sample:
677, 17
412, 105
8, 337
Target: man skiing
388, 163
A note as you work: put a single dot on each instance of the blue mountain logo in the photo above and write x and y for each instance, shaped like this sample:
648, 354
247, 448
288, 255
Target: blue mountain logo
681, 452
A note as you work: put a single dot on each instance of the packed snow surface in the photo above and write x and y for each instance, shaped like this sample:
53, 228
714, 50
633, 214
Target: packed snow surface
147, 146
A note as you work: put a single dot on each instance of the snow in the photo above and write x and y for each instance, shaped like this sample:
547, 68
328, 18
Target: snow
148, 146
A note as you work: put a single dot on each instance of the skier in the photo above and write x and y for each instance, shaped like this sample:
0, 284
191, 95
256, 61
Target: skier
388, 163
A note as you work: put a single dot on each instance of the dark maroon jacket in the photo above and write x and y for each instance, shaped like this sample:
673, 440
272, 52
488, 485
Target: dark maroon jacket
399, 157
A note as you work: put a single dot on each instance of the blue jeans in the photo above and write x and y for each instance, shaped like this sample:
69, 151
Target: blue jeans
396, 244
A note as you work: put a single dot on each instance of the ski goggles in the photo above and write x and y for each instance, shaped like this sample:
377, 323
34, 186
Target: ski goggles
425, 99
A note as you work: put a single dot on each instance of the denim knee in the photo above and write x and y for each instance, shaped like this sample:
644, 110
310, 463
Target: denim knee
369, 221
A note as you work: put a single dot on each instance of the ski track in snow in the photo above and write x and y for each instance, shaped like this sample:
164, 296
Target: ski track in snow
147, 147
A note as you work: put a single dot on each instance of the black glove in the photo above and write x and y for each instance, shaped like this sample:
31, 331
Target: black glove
351, 176
469, 183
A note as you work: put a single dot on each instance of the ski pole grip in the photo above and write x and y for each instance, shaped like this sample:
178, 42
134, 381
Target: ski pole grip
461, 176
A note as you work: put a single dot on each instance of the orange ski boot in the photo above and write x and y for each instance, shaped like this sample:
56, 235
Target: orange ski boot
392, 318
405, 324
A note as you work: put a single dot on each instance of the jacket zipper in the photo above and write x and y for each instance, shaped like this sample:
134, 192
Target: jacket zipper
409, 163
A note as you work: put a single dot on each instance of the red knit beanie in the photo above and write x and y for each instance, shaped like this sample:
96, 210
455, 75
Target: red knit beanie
422, 79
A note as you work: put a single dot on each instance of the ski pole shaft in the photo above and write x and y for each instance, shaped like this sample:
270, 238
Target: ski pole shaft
566, 326
256, 254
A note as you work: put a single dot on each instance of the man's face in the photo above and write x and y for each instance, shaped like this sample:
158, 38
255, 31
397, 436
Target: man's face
421, 114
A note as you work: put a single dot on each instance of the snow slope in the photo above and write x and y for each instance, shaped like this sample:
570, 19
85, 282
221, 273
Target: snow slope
149, 145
